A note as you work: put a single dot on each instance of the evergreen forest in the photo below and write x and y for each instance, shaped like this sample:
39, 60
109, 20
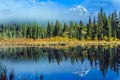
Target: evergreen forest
100, 27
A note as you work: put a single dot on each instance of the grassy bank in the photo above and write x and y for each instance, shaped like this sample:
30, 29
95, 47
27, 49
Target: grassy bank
54, 41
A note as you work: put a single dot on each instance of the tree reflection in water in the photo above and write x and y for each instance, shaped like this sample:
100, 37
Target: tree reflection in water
102, 57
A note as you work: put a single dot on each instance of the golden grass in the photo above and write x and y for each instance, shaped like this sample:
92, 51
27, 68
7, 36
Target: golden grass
55, 41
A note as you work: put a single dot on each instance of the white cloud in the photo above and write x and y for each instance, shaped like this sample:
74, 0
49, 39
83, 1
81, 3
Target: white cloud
37, 10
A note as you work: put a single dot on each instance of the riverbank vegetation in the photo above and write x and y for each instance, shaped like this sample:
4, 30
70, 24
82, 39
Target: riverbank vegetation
53, 42
103, 27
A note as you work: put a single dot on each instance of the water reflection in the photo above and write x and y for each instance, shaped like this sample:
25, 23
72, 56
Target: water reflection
72, 62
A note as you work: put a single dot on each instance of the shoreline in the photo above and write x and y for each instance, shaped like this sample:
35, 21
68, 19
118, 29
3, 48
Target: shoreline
52, 42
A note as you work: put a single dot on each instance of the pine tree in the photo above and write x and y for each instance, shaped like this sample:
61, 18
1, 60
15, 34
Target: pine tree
89, 28
25, 30
113, 26
49, 30
31, 32
94, 32
81, 23
34, 31
65, 30
78, 32
109, 26
57, 29
71, 29
81, 29
105, 23
100, 24
13, 32
28, 32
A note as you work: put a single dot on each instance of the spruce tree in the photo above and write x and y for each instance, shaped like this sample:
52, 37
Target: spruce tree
65, 30
34, 31
57, 28
100, 24
89, 28
49, 30
71, 29
109, 26
113, 26
94, 32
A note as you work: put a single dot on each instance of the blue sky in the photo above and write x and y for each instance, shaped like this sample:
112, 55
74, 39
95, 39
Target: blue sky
64, 10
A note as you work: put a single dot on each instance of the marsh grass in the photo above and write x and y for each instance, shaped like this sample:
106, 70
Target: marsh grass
56, 41
4, 73
7, 73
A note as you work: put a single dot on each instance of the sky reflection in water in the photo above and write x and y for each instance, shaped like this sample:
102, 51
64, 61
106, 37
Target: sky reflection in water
71, 67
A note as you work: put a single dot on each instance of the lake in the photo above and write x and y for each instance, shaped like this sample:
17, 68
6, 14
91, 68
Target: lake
69, 63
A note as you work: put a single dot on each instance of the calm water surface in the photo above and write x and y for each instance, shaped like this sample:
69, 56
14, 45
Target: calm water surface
72, 63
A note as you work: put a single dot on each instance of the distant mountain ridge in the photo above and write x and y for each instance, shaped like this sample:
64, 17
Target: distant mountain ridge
79, 9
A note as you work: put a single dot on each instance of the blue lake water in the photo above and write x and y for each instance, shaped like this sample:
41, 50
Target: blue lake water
72, 63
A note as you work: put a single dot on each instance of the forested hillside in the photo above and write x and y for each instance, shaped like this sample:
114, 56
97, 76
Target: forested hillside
102, 27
